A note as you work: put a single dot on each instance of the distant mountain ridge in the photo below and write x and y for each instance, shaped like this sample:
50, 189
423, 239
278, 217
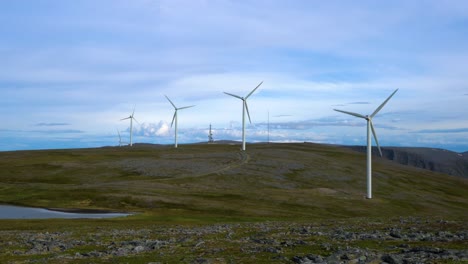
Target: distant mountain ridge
438, 160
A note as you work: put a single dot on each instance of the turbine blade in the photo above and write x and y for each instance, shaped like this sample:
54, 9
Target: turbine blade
375, 137
133, 111
350, 113
125, 118
185, 107
173, 118
247, 108
236, 96
135, 120
253, 90
171, 102
382, 105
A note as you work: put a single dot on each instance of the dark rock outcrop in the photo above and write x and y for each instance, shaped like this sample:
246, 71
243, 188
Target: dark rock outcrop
438, 160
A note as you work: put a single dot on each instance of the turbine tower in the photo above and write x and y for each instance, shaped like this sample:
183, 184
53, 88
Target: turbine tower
131, 124
370, 127
210, 136
244, 108
175, 118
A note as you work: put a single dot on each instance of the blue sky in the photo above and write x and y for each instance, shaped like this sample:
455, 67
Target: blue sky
72, 69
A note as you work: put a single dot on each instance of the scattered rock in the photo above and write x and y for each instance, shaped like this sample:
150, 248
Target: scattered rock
277, 239
391, 259
139, 249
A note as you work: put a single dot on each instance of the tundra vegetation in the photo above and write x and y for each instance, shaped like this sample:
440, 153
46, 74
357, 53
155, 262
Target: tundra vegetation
211, 203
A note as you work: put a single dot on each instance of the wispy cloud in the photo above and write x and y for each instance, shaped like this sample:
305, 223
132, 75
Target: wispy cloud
443, 131
58, 131
359, 103
281, 115
51, 124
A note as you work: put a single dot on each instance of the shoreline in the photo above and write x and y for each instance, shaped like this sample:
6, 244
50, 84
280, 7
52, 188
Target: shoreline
70, 210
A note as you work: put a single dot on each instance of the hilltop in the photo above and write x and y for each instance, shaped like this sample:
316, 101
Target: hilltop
300, 180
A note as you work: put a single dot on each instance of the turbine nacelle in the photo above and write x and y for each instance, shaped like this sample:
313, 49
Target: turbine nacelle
369, 118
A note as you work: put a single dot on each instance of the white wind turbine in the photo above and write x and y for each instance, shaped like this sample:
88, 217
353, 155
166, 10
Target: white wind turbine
131, 117
120, 138
244, 108
175, 118
370, 127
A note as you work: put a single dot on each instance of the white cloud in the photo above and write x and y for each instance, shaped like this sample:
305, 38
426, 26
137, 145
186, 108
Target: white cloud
152, 129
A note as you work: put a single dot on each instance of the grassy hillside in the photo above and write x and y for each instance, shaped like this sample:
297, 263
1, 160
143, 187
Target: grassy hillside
275, 203
218, 182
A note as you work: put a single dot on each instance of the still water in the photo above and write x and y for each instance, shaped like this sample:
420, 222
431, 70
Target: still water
18, 212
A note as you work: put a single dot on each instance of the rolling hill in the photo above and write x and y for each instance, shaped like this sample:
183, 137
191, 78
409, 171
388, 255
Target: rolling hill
268, 181
211, 203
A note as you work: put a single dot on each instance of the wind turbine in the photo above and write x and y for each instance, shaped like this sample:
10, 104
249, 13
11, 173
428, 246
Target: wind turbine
268, 127
244, 108
370, 127
175, 118
131, 124
120, 138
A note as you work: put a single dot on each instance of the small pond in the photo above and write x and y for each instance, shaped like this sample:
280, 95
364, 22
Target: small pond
19, 212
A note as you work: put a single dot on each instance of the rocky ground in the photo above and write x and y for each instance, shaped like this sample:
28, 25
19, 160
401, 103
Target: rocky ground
180, 193
405, 240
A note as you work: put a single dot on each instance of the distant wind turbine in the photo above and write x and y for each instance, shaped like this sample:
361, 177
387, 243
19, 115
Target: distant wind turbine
370, 127
268, 127
120, 138
121, 142
244, 109
131, 117
175, 118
